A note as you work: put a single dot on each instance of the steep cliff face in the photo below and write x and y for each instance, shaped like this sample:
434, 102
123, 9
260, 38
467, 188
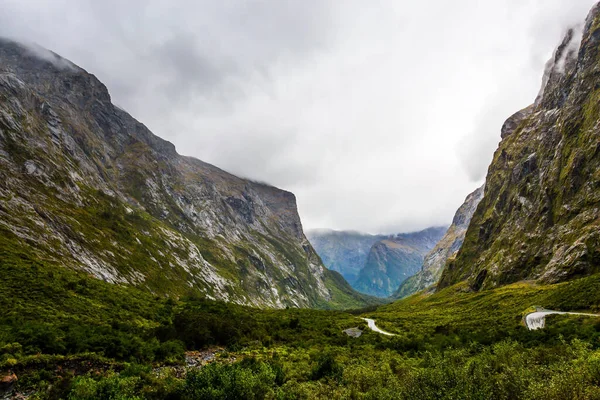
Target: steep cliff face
343, 251
85, 185
392, 260
445, 249
540, 215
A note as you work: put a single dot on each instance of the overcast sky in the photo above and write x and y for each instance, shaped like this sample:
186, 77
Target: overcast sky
380, 115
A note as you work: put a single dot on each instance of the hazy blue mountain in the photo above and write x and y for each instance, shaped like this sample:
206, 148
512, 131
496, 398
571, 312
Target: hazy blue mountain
343, 251
394, 259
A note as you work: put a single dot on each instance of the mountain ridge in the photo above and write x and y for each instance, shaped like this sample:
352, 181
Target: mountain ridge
343, 251
445, 249
394, 259
539, 218
88, 186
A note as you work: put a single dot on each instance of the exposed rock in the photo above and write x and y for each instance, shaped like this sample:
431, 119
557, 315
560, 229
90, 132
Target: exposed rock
445, 249
85, 185
540, 215
353, 332
514, 121
198, 359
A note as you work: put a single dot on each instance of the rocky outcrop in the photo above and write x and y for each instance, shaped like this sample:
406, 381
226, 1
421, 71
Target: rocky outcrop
540, 215
343, 251
445, 249
84, 184
393, 260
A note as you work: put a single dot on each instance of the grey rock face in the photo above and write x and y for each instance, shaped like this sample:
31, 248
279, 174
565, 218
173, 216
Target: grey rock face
86, 185
514, 121
445, 249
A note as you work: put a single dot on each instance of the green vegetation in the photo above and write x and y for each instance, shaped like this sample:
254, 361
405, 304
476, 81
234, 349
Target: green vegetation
142, 215
66, 335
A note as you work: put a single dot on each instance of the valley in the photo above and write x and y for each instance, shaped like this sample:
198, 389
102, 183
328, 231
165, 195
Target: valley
84, 337
129, 271
375, 265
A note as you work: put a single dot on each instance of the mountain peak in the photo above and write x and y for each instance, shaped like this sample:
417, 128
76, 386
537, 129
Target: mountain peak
93, 189
394, 259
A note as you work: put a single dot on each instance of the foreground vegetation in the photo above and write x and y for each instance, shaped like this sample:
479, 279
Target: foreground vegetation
66, 335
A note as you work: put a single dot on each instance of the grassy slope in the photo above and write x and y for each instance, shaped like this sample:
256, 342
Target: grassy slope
455, 316
451, 344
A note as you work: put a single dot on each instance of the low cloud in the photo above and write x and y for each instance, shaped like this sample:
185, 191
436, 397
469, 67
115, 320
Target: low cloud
514, 90
380, 118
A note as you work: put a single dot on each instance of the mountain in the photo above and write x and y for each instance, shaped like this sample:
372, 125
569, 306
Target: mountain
540, 215
445, 249
343, 251
86, 186
394, 259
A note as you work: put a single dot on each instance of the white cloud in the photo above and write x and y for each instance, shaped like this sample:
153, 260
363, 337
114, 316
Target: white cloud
380, 117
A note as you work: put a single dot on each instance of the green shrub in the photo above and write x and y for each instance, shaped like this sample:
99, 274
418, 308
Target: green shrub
327, 367
247, 380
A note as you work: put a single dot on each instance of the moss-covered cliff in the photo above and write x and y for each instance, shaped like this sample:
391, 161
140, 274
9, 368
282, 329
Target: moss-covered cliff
540, 215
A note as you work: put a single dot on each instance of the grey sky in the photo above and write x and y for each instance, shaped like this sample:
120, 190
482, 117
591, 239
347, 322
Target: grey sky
380, 116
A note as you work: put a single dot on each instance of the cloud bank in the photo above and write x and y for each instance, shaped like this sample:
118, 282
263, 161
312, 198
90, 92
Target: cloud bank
380, 118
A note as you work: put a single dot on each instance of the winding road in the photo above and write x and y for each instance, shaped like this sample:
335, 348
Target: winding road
534, 321
374, 328
537, 320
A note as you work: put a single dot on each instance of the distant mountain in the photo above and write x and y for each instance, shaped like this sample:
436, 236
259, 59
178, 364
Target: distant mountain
539, 218
393, 260
85, 186
343, 251
445, 249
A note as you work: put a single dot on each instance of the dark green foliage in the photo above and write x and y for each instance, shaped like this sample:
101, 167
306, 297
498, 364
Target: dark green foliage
454, 344
249, 379
200, 324
327, 367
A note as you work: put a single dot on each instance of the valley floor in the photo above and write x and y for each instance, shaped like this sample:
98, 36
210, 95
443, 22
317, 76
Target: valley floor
65, 335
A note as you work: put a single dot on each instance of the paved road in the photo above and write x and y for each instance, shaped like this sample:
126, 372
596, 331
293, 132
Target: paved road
374, 328
537, 320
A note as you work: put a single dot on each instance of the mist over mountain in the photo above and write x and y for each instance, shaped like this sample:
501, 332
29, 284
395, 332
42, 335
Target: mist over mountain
394, 259
87, 186
539, 217
343, 251
131, 271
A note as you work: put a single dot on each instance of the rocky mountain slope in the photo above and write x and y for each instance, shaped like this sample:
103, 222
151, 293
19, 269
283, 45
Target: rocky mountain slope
343, 251
540, 215
392, 260
86, 186
445, 249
